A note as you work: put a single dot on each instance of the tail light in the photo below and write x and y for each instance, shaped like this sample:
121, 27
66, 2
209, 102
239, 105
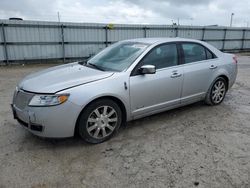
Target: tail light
235, 59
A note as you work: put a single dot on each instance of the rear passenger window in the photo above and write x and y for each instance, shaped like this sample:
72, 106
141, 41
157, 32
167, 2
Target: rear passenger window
193, 52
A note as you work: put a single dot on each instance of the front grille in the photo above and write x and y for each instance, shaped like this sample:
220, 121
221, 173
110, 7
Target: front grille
22, 99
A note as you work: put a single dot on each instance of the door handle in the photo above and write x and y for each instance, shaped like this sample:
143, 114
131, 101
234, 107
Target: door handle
175, 75
213, 67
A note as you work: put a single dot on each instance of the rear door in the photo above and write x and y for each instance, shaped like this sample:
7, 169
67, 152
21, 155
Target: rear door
199, 64
151, 93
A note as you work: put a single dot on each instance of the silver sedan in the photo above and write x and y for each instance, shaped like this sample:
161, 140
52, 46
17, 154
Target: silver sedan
128, 80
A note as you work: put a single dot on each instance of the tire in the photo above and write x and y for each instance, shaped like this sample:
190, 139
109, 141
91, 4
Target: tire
217, 91
99, 121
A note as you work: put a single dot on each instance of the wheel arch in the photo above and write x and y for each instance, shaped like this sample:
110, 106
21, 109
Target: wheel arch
225, 77
115, 99
208, 94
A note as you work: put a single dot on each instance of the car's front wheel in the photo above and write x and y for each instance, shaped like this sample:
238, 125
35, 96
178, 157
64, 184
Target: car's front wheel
100, 121
216, 92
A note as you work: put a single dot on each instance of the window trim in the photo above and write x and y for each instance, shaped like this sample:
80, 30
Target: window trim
213, 56
205, 48
135, 72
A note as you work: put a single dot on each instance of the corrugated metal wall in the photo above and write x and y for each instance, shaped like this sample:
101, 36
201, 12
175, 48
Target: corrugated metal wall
31, 40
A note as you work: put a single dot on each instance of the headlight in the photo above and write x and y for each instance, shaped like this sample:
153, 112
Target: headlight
48, 100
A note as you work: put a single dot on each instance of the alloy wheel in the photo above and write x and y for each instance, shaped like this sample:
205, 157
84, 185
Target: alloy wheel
218, 91
102, 122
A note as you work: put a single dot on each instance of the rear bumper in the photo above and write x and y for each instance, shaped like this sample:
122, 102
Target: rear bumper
53, 122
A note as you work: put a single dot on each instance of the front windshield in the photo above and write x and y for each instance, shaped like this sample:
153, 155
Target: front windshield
118, 56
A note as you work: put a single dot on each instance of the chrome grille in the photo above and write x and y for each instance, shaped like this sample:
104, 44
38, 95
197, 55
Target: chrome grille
22, 99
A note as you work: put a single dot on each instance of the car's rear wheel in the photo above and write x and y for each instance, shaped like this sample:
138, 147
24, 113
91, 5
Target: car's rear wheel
216, 92
100, 121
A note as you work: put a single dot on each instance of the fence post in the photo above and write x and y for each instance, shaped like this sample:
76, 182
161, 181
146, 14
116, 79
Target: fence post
5, 45
243, 39
145, 32
176, 31
106, 35
224, 39
203, 33
63, 47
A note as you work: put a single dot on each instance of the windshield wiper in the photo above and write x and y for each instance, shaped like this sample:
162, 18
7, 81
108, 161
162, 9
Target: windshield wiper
83, 62
95, 66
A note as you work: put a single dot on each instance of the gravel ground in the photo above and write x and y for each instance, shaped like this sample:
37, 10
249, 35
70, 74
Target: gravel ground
193, 146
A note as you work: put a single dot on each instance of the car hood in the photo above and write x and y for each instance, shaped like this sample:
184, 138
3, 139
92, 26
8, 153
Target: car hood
61, 77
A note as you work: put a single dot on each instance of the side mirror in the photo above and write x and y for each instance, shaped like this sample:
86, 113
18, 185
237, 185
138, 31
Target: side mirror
147, 69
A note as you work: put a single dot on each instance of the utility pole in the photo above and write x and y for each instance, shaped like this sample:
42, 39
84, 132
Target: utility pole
58, 17
231, 20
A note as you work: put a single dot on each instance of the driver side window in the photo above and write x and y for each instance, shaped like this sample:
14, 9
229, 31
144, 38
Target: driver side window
162, 56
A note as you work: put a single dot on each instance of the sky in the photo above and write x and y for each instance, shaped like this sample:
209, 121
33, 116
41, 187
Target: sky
164, 12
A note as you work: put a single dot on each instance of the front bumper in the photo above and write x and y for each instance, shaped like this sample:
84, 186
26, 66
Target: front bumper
53, 122
28, 124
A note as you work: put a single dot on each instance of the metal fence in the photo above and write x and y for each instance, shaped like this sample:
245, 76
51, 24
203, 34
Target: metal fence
30, 41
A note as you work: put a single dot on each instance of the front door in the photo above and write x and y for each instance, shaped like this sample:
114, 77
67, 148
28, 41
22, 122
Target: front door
150, 93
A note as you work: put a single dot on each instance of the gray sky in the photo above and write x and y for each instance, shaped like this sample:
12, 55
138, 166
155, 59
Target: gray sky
190, 12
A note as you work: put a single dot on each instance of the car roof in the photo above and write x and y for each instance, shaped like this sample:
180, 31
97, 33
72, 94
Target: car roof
156, 41
161, 40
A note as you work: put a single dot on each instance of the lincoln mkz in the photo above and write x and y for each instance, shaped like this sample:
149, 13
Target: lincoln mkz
128, 80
